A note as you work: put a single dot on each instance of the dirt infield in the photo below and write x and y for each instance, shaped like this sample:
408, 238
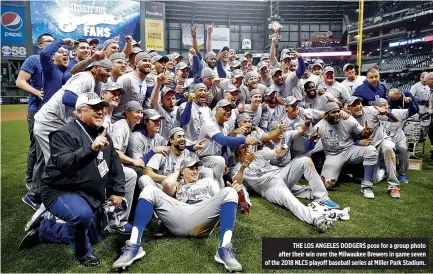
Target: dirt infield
13, 115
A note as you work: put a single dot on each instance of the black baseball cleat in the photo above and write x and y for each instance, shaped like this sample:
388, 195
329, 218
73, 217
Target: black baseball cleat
90, 261
30, 240
161, 230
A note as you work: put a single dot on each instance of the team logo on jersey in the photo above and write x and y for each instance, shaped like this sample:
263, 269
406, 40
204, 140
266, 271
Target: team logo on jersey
12, 21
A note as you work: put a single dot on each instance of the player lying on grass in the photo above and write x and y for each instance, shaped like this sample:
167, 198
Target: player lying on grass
272, 182
189, 207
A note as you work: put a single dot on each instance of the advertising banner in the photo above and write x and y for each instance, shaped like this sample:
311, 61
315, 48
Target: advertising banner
154, 14
187, 40
86, 19
155, 34
220, 38
13, 32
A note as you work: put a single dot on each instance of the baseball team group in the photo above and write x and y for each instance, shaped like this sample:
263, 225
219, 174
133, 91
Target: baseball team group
121, 136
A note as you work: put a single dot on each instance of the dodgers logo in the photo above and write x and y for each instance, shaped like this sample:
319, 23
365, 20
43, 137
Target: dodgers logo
12, 21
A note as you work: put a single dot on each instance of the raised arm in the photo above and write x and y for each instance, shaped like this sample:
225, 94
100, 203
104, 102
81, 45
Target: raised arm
209, 38
170, 184
154, 98
82, 65
273, 52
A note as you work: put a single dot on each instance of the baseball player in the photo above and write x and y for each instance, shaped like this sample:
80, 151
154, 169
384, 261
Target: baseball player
30, 80
340, 149
252, 82
216, 135
263, 70
369, 116
58, 111
352, 80
299, 91
300, 166
286, 82
134, 83
112, 94
122, 130
190, 207
317, 69
254, 109
422, 95
395, 132
146, 141
271, 182
119, 66
166, 106
335, 88
296, 117
275, 109
161, 165
312, 99
196, 113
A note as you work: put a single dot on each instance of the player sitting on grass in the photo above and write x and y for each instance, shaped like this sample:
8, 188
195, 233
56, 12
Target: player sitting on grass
340, 149
194, 211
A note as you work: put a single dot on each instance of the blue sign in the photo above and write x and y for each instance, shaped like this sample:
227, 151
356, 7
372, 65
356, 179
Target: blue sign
13, 32
86, 19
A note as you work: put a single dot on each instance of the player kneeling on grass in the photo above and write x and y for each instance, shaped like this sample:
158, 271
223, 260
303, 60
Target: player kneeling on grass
83, 163
340, 149
194, 211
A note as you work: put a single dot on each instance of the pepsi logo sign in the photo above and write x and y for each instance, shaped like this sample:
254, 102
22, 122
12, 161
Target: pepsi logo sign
6, 50
12, 21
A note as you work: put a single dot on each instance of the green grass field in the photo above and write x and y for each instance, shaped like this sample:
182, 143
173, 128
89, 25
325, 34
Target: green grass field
410, 216
9, 108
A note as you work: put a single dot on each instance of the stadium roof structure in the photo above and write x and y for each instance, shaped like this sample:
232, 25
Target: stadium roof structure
258, 11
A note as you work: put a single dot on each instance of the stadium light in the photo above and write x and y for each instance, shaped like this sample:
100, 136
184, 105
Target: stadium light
321, 54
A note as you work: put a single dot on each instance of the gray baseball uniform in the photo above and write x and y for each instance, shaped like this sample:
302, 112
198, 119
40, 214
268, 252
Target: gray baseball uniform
199, 114
381, 141
195, 210
211, 155
135, 91
272, 114
319, 102
274, 184
301, 166
298, 90
256, 116
54, 114
140, 144
120, 135
337, 90
298, 147
352, 85
166, 165
169, 122
340, 149
395, 131
244, 95
421, 91
290, 83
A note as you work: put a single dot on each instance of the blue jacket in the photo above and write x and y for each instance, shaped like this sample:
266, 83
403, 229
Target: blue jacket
369, 94
402, 103
54, 76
